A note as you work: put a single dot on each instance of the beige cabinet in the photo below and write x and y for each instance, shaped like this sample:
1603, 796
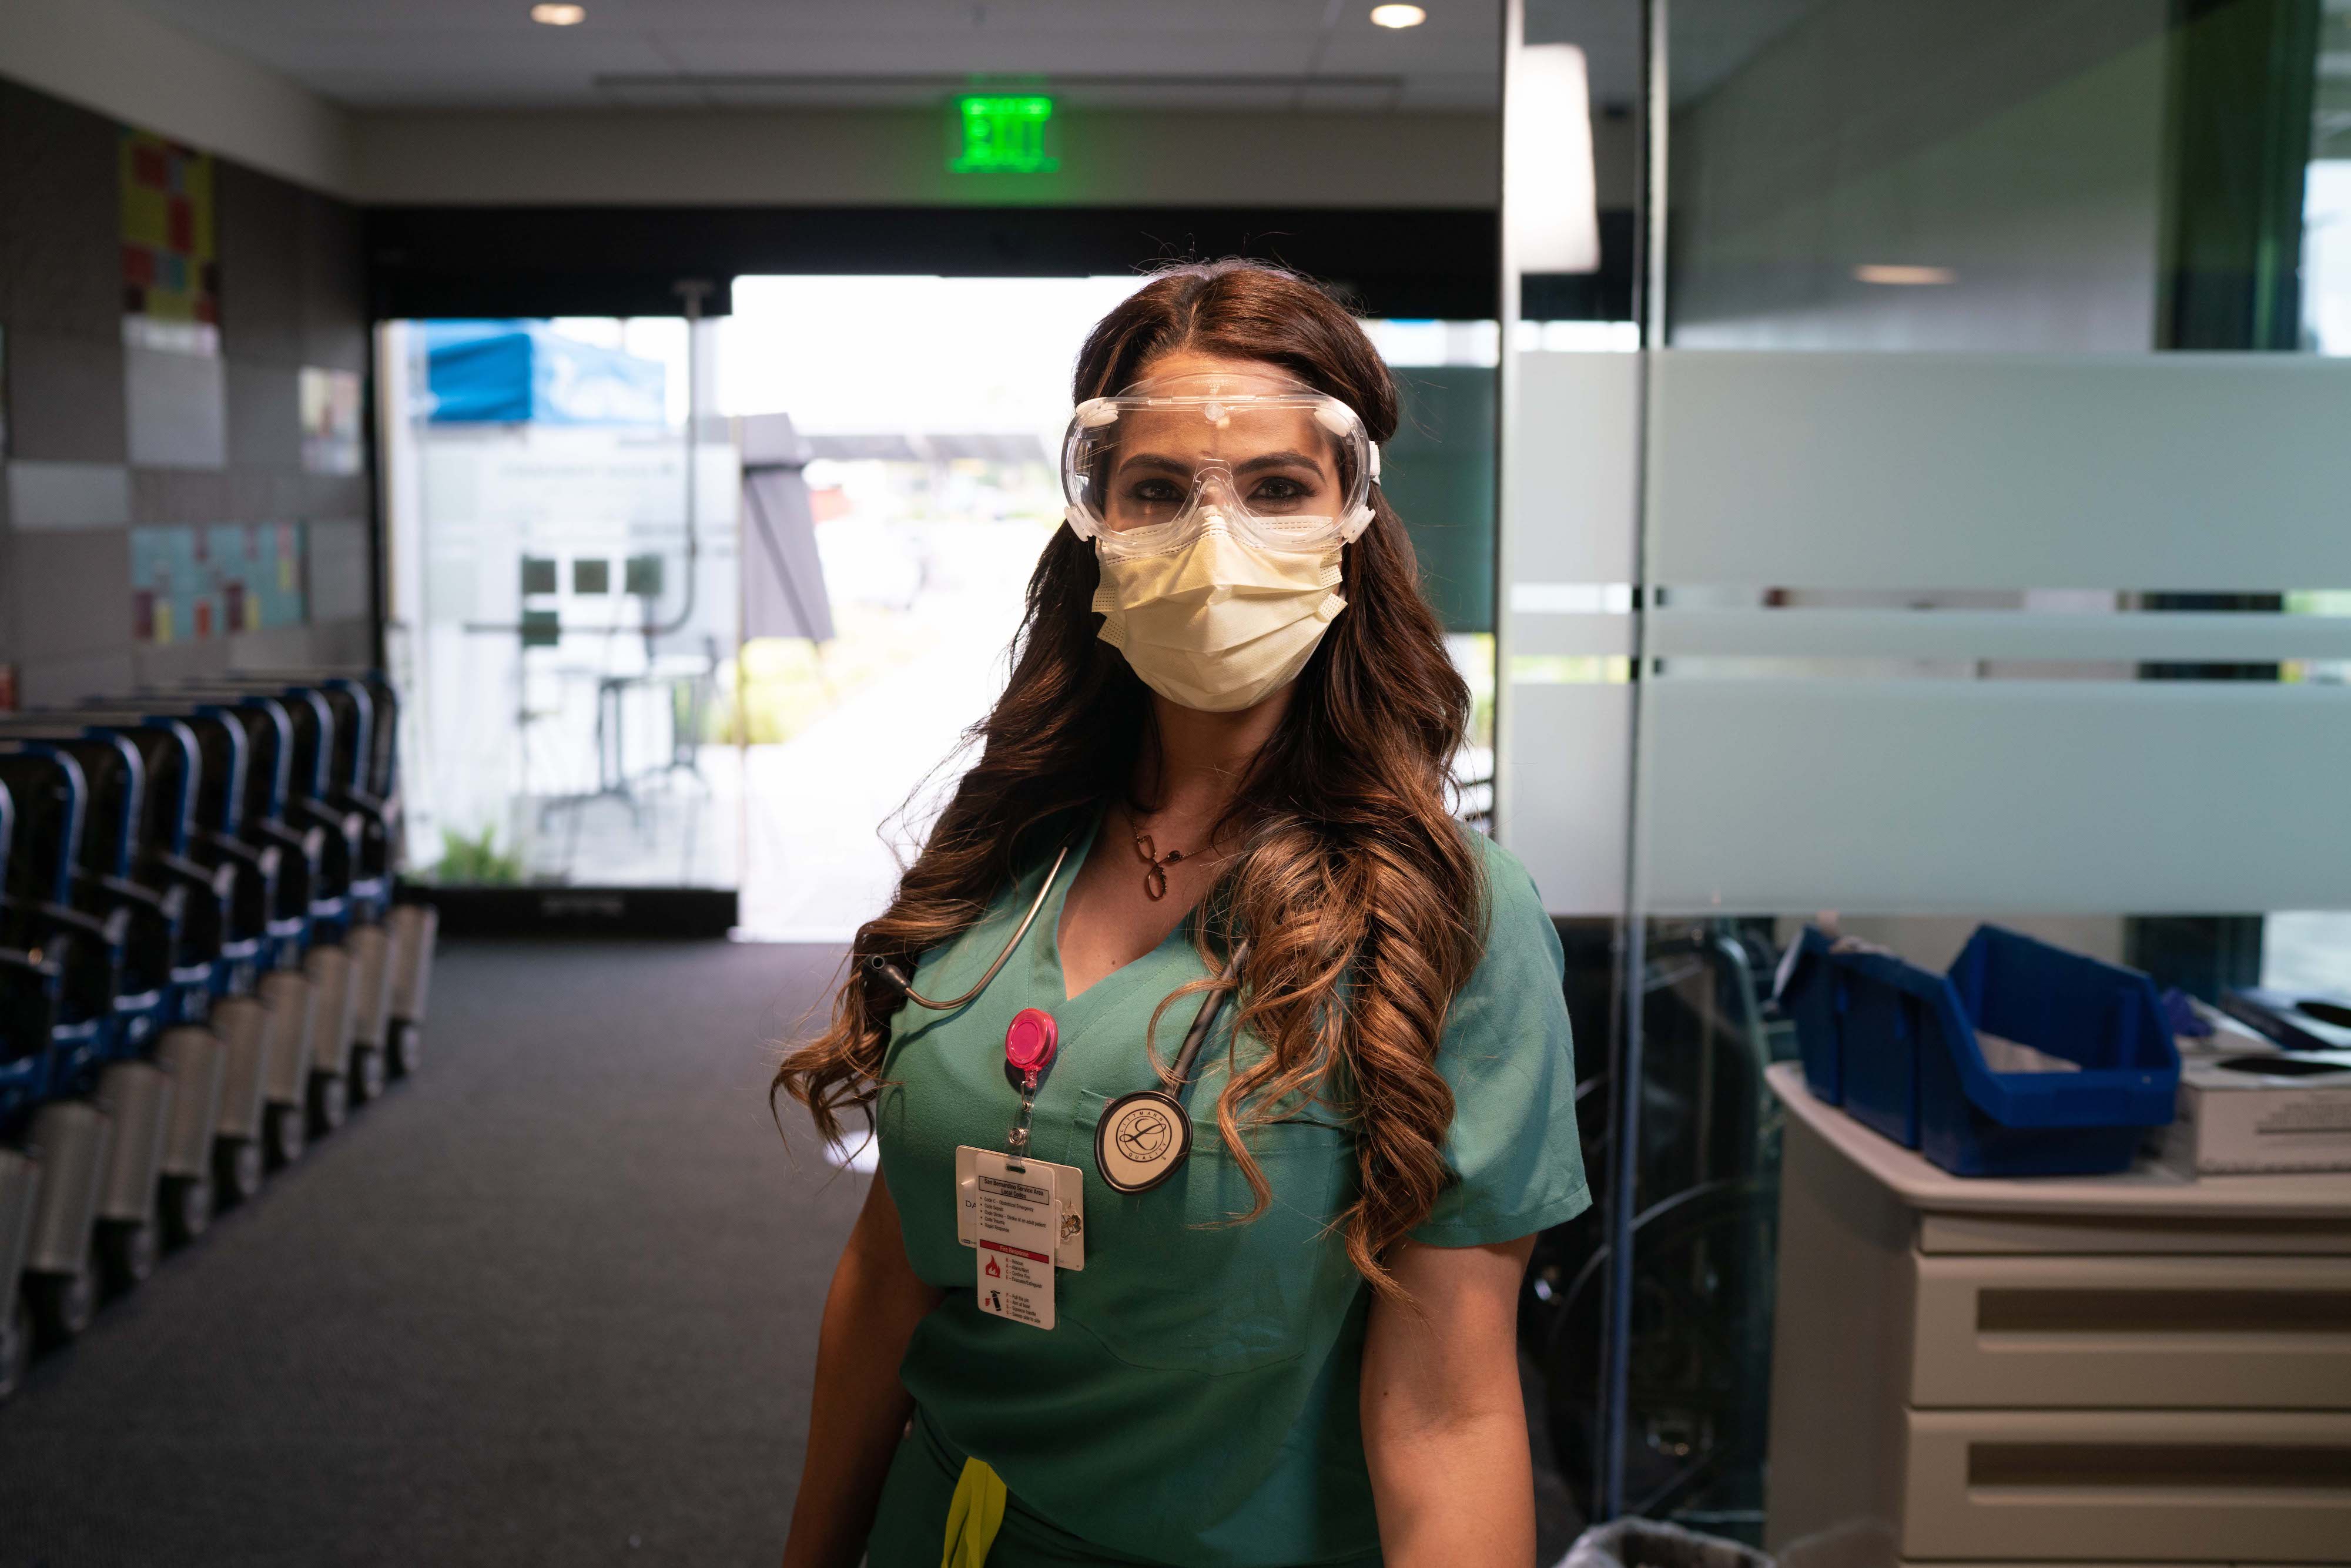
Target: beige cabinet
2130, 1370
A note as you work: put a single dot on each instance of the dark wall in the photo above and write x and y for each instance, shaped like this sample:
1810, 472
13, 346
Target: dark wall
625, 261
290, 294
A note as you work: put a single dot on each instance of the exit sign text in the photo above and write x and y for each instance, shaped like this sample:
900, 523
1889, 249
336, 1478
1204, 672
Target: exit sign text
1003, 133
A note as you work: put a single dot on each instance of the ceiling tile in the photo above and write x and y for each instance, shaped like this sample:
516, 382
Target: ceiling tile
425, 53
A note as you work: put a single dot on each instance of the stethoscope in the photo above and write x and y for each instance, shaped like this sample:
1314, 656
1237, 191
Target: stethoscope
1143, 1137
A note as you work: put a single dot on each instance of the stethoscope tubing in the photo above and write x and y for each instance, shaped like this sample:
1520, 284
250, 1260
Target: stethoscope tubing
905, 982
1179, 1074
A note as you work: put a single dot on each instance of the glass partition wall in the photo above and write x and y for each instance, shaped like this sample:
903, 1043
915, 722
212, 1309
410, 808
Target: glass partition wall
563, 599
1964, 540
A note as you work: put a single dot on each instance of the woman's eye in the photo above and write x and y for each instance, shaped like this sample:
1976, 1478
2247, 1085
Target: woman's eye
1279, 488
1155, 490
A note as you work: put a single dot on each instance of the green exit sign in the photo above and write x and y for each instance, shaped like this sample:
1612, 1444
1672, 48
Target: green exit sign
1003, 134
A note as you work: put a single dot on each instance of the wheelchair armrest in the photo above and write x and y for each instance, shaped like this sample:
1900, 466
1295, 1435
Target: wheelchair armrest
374, 813
304, 844
18, 968
153, 918
255, 871
359, 801
87, 949
298, 865
338, 833
207, 895
117, 893
227, 849
113, 928
375, 820
215, 882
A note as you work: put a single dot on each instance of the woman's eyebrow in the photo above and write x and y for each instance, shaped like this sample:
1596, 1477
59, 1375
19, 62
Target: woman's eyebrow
1160, 462
1277, 460
1157, 461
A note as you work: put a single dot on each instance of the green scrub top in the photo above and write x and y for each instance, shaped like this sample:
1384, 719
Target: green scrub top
1196, 1403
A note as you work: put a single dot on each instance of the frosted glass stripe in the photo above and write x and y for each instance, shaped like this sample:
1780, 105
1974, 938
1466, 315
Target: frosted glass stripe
1575, 635
2150, 636
1968, 796
2172, 471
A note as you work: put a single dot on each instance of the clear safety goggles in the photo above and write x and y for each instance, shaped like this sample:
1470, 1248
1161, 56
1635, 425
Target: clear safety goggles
1146, 470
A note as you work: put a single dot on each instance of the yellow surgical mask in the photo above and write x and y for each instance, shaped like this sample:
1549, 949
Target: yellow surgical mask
1221, 622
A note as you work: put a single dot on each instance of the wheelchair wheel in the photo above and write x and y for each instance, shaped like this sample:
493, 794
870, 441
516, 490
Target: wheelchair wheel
127, 1252
15, 1345
1701, 1334
238, 1170
187, 1209
406, 1046
63, 1304
367, 1074
285, 1135
329, 1102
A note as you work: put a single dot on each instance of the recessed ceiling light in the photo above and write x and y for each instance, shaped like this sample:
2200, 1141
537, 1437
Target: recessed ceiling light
559, 15
1398, 15
1902, 275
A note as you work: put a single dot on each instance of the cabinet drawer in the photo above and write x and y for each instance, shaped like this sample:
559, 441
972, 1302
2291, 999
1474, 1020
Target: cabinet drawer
2168, 1333
2158, 1486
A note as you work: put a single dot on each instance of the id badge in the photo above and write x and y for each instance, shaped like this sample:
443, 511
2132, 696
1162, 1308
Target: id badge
1018, 1221
1069, 1190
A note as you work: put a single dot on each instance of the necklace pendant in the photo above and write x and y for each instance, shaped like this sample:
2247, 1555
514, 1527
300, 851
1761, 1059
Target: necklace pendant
1155, 876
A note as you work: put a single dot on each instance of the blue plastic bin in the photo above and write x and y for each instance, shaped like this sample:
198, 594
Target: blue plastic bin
1896, 1046
1807, 995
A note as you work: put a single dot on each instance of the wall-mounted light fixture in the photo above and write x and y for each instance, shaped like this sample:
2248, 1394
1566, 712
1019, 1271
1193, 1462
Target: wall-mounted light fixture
1547, 183
1901, 274
1398, 15
559, 16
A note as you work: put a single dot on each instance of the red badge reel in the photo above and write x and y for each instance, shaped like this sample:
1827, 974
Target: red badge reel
1030, 1041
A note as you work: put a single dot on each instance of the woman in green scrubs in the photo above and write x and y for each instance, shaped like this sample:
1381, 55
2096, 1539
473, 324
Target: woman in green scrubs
1213, 788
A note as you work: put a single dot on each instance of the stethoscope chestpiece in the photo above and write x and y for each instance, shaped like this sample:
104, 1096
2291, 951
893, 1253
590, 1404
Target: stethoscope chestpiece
1141, 1139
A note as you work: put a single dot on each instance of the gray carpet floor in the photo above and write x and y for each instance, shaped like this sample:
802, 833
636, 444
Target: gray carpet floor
552, 1300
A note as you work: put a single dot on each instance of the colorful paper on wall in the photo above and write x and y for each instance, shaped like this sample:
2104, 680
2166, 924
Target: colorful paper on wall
171, 268
189, 584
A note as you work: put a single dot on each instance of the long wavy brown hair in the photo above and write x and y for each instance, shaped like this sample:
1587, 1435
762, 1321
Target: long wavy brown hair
1362, 901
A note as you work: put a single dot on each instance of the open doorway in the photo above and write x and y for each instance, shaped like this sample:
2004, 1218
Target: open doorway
900, 439
747, 676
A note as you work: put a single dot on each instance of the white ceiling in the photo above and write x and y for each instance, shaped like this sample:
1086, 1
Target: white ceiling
1204, 53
